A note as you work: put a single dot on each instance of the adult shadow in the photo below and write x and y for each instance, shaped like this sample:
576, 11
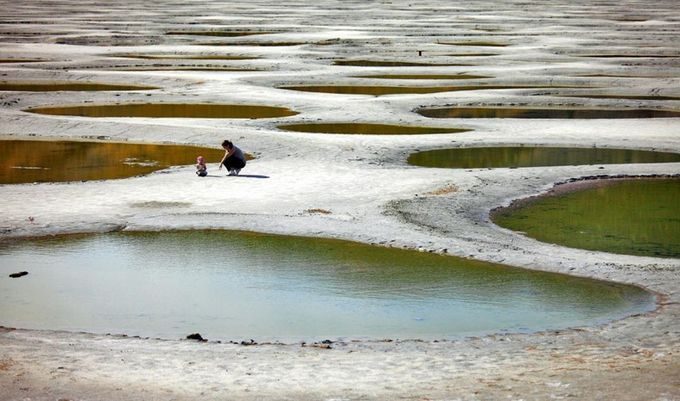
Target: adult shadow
249, 176
236, 176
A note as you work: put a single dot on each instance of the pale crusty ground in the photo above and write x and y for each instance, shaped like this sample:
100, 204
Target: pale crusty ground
373, 196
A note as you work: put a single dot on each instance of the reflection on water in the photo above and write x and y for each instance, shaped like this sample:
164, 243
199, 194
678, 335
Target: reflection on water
368, 129
67, 86
168, 110
512, 112
635, 217
23, 161
245, 285
507, 156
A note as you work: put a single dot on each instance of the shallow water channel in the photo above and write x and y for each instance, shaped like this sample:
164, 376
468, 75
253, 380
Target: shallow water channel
234, 285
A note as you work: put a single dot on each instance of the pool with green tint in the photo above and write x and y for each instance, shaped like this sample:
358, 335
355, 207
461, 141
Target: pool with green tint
168, 110
548, 113
635, 217
25, 161
530, 156
368, 129
237, 285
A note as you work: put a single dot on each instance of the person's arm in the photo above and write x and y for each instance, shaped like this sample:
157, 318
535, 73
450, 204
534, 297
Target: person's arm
227, 153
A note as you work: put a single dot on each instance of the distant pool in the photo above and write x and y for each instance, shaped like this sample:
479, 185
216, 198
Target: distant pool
534, 156
234, 285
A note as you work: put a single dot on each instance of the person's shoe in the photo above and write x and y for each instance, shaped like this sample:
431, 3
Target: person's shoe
232, 172
236, 171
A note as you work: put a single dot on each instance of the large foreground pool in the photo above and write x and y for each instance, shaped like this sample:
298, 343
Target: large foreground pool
235, 285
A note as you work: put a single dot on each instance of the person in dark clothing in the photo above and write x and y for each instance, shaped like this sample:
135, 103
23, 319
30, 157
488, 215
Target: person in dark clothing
234, 159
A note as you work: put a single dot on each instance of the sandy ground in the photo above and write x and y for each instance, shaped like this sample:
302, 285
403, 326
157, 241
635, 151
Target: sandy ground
364, 181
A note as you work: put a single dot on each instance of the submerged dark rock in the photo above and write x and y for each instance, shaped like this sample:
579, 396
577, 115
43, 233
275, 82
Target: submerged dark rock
197, 337
17, 275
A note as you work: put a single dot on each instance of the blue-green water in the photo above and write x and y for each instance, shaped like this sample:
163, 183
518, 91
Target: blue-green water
233, 285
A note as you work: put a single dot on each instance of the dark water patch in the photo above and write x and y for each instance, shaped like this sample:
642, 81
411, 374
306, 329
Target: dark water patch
25, 161
187, 68
474, 43
380, 90
625, 97
379, 63
631, 75
168, 110
232, 285
627, 55
68, 86
633, 217
473, 54
262, 44
368, 129
18, 60
184, 57
423, 76
546, 113
220, 33
525, 156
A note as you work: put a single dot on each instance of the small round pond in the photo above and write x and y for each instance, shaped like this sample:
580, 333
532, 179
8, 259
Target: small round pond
232, 285
634, 217
567, 113
368, 129
168, 110
525, 156
25, 161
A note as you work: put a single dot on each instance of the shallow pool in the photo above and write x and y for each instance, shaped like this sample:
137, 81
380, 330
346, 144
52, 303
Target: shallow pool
634, 217
534, 156
233, 285
24, 161
168, 110
547, 113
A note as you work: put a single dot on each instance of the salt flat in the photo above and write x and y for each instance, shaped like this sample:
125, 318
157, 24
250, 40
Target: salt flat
624, 48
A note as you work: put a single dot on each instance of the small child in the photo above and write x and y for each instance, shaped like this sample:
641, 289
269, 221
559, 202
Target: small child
201, 168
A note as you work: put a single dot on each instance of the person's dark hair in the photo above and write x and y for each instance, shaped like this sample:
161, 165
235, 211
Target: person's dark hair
227, 144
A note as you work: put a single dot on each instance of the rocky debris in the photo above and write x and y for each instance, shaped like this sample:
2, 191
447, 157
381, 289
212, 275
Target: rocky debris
19, 274
325, 344
197, 337
251, 342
